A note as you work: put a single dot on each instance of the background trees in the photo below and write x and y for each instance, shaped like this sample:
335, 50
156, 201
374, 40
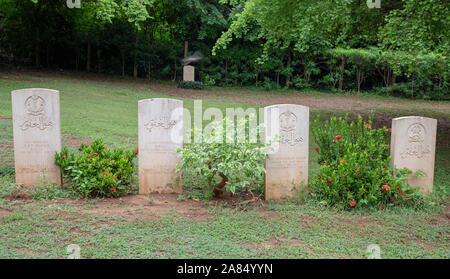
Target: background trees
400, 49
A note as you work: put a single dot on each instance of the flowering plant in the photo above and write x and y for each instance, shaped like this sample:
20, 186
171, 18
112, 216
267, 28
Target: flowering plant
355, 169
96, 171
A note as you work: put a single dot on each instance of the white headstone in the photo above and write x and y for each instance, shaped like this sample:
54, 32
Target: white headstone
413, 145
287, 166
160, 135
37, 135
188, 73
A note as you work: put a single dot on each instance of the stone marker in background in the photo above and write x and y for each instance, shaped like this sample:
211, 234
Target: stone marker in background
287, 165
160, 123
188, 73
37, 135
413, 145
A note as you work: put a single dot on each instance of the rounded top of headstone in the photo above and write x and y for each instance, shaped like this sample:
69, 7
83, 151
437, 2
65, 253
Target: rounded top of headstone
413, 118
288, 105
159, 99
35, 90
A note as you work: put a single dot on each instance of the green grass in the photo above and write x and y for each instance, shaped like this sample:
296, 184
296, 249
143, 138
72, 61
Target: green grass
92, 108
44, 229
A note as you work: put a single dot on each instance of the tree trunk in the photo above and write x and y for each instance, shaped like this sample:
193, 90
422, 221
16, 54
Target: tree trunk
99, 62
37, 50
358, 78
135, 67
219, 187
37, 47
341, 74
77, 58
175, 69
278, 78
123, 62
288, 77
186, 48
88, 57
392, 83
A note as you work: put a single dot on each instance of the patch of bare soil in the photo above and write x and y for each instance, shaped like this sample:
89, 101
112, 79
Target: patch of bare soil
307, 221
15, 78
358, 222
238, 200
277, 242
4, 212
73, 141
136, 207
20, 195
5, 118
443, 219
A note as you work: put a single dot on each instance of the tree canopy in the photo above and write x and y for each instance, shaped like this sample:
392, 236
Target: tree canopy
400, 48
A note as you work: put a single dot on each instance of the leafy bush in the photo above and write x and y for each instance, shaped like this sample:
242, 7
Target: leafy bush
355, 168
97, 171
190, 84
230, 161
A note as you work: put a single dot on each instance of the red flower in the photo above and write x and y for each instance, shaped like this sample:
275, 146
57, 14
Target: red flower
385, 187
342, 161
352, 203
357, 171
380, 206
64, 156
113, 188
324, 164
90, 156
316, 148
314, 139
389, 130
96, 154
136, 150
319, 177
338, 137
105, 173
114, 178
368, 126
330, 181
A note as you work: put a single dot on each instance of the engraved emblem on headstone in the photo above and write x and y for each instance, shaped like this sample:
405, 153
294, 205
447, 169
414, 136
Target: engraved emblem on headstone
35, 114
416, 146
288, 122
162, 121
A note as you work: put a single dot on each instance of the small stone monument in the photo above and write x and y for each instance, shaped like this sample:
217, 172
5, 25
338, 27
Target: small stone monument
413, 145
287, 164
37, 135
188, 73
160, 124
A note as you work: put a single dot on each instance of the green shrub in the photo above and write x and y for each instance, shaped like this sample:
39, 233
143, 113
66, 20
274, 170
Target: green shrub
215, 163
355, 170
190, 84
96, 171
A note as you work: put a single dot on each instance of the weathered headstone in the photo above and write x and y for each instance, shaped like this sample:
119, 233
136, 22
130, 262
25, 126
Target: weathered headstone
287, 165
188, 73
37, 135
160, 134
413, 145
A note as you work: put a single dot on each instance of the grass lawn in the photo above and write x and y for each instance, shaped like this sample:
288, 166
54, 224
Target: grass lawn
132, 227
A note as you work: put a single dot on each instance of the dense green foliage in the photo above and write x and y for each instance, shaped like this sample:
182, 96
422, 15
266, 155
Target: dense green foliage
97, 171
190, 84
355, 169
399, 49
225, 158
